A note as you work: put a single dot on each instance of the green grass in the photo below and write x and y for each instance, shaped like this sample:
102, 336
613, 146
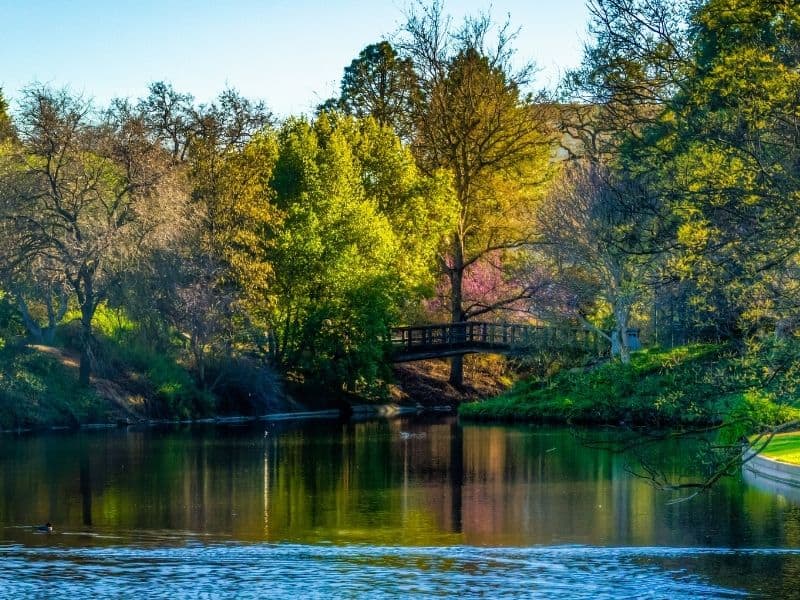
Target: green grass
36, 390
784, 447
690, 385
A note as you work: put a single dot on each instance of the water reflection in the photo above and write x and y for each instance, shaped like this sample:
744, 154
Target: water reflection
401, 482
383, 483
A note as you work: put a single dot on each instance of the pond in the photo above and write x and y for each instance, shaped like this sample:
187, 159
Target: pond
406, 507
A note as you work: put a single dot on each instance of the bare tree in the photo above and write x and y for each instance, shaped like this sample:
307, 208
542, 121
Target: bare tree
193, 284
83, 194
596, 230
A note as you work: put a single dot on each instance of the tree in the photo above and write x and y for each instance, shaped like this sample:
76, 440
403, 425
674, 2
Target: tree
170, 116
79, 197
636, 63
226, 151
476, 121
734, 150
630, 71
719, 137
6, 126
381, 85
354, 245
595, 226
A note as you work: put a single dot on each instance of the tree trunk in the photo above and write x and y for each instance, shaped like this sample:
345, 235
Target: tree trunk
87, 314
199, 361
621, 332
85, 368
34, 331
457, 370
54, 316
456, 310
86, 351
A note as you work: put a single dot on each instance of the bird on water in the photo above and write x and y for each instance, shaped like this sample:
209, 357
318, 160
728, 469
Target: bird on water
46, 528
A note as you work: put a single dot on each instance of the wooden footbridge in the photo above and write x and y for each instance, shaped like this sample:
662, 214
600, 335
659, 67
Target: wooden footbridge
453, 339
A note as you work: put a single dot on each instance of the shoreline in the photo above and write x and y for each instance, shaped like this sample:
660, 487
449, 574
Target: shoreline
773, 470
387, 411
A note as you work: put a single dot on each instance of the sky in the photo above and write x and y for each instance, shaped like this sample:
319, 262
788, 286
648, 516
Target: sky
291, 54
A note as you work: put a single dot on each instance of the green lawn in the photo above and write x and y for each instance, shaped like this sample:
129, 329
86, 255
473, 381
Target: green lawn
784, 447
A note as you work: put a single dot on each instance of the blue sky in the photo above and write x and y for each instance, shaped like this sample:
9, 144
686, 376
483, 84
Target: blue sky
289, 53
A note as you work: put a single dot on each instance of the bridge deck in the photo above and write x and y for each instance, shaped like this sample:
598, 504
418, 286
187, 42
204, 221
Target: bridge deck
431, 341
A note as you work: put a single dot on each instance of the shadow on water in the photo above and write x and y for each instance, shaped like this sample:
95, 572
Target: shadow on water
426, 499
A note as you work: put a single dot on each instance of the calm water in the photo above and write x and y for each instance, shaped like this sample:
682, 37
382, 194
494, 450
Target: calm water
389, 508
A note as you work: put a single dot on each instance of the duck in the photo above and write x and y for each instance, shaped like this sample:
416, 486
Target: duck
46, 528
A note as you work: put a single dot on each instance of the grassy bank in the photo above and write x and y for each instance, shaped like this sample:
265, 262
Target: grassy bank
131, 380
784, 447
39, 388
690, 385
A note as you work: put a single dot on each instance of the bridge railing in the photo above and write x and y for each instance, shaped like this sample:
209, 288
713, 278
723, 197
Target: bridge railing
478, 334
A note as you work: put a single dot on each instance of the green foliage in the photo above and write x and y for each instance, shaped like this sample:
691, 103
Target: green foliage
725, 149
6, 126
176, 394
381, 85
173, 390
112, 323
658, 387
347, 254
686, 386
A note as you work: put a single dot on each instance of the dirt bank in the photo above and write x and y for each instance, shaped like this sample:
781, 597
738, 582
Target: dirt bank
425, 382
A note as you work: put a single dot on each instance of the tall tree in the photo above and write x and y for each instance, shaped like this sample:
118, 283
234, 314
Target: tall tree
632, 68
358, 234
226, 151
476, 121
596, 228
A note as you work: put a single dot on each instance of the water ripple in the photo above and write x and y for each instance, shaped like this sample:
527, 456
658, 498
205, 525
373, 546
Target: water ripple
323, 571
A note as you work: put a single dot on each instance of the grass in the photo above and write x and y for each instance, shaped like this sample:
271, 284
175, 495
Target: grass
37, 390
159, 375
172, 388
784, 447
131, 377
39, 386
693, 385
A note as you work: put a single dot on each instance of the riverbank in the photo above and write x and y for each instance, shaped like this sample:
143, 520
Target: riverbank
776, 466
425, 382
687, 386
39, 390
